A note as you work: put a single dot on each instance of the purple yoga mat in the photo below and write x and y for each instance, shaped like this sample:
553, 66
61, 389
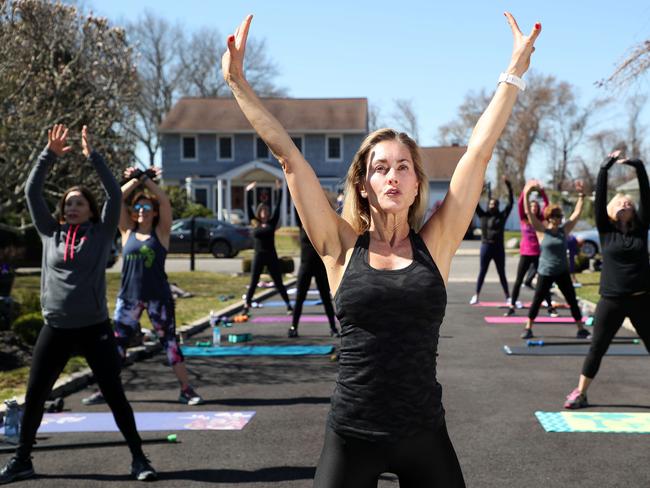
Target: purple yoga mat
522, 320
503, 305
162, 421
268, 319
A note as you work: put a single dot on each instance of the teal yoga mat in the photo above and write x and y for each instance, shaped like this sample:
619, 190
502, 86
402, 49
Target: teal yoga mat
602, 422
257, 350
574, 350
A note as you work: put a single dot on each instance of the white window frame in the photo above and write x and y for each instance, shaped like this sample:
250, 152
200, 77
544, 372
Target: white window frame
268, 157
196, 147
232, 147
207, 194
327, 147
302, 142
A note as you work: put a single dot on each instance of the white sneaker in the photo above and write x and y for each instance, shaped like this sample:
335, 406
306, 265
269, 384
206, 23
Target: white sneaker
508, 302
518, 304
473, 300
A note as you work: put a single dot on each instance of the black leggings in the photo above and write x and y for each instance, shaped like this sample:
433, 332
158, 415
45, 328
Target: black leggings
53, 349
270, 259
313, 268
426, 460
526, 265
565, 285
496, 252
610, 313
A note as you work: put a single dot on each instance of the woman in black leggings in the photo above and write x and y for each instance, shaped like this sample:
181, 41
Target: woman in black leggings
387, 412
265, 253
73, 284
493, 223
625, 276
311, 265
553, 262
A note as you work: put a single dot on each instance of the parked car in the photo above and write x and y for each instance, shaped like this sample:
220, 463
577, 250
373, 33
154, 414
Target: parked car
222, 239
591, 242
24, 249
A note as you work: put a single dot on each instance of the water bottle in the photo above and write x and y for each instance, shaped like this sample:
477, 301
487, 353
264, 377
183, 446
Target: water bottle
216, 330
13, 415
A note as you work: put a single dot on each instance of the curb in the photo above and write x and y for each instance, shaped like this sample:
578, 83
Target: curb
72, 383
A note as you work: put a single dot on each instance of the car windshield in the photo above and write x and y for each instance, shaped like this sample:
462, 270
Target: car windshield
180, 225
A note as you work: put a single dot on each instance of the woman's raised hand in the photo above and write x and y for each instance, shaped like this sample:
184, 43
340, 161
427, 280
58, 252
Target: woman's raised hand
56, 140
85, 145
232, 62
131, 172
579, 185
523, 46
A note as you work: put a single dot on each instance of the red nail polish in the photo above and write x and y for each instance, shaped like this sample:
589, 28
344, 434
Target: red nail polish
538, 26
231, 38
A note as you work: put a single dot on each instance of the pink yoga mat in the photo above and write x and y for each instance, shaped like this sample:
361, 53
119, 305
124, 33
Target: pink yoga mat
503, 305
267, 319
523, 320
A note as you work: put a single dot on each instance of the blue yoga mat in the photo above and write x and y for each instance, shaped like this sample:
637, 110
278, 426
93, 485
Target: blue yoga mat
257, 350
150, 421
606, 422
280, 303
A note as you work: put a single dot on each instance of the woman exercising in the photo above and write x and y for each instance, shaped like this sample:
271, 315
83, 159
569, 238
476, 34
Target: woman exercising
386, 412
625, 276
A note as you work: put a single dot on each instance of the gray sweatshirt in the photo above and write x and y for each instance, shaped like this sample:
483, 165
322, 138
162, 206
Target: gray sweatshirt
73, 271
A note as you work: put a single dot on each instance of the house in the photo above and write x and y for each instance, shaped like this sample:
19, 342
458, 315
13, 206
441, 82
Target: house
209, 147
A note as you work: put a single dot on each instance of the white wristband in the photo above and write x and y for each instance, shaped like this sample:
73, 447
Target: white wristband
513, 80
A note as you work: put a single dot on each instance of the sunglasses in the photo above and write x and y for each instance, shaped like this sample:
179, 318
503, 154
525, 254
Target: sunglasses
147, 207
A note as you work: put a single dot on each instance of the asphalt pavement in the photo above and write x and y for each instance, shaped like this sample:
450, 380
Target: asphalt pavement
490, 400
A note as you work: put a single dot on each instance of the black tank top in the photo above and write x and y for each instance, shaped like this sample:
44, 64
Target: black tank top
390, 321
143, 269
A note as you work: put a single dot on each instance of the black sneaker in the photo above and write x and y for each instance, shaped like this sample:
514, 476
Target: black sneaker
95, 399
509, 312
334, 332
583, 334
292, 332
527, 334
289, 310
16, 469
141, 470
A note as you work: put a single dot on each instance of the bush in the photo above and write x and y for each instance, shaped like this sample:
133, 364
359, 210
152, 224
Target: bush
581, 263
286, 265
28, 326
29, 301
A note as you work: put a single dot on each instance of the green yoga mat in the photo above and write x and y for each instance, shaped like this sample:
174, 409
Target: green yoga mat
574, 350
602, 422
257, 350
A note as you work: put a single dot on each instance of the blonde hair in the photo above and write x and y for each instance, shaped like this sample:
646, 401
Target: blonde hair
616, 198
356, 210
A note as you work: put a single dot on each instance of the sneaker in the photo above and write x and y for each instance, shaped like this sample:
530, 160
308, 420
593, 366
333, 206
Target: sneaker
577, 285
190, 397
527, 334
473, 300
509, 312
16, 469
292, 332
518, 304
552, 312
334, 332
575, 399
529, 285
289, 310
95, 399
508, 302
142, 470
583, 334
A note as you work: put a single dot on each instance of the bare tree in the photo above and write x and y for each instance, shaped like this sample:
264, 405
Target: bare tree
59, 66
633, 67
405, 117
173, 64
374, 114
635, 130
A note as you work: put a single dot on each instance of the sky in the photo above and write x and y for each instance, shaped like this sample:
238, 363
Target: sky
430, 52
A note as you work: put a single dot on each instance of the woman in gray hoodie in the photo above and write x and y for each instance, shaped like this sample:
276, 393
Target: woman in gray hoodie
73, 299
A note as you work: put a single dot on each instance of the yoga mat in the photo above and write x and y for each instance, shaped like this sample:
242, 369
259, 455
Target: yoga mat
164, 421
257, 350
602, 422
574, 350
496, 319
503, 305
280, 303
269, 319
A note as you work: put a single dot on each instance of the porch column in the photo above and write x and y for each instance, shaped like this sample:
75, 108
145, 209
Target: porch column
292, 213
229, 196
285, 196
220, 198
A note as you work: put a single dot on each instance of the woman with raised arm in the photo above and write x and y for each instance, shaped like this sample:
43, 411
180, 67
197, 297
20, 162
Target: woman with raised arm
493, 222
625, 277
265, 253
529, 249
553, 262
145, 225
386, 412
73, 298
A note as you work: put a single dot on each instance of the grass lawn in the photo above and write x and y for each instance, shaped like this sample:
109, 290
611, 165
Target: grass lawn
589, 289
206, 287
